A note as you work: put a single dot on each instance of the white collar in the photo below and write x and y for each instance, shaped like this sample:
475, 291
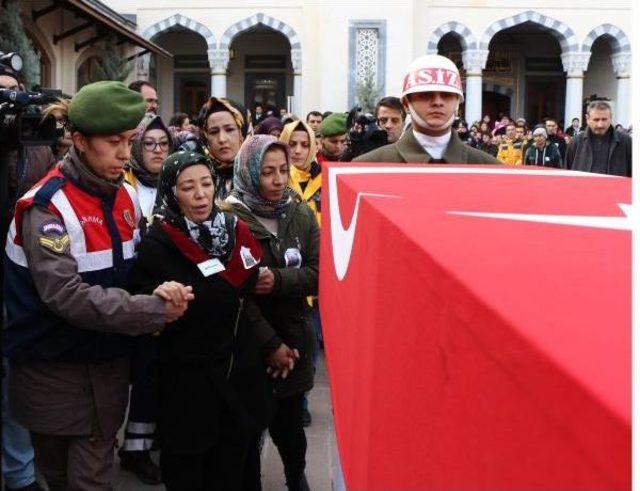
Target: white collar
433, 145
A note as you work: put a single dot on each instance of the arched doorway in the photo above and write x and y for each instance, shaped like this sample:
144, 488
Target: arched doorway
599, 79
183, 83
495, 104
452, 45
526, 58
260, 69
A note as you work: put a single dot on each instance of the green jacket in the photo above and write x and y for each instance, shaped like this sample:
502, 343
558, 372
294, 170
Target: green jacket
408, 150
283, 315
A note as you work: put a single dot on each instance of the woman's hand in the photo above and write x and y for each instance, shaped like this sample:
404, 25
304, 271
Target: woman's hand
281, 361
266, 282
176, 297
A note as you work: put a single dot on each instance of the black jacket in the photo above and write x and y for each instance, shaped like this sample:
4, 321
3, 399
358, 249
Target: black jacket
549, 156
284, 314
580, 153
211, 371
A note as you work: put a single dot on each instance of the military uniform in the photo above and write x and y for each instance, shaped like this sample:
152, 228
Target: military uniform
69, 249
408, 150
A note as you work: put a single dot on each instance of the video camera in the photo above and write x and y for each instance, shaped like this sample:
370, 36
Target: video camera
21, 122
364, 134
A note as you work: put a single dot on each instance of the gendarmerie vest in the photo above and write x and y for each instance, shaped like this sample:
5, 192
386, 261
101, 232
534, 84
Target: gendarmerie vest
101, 233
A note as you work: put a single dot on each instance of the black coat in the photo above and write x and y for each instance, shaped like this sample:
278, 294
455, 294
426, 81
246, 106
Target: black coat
580, 153
211, 372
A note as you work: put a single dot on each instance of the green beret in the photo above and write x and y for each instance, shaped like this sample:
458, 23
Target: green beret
106, 108
335, 124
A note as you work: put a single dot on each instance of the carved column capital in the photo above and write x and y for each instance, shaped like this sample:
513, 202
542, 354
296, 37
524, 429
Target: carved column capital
474, 60
575, 63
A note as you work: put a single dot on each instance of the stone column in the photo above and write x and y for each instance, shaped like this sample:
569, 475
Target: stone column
622, 68
219, 61
296, 63
474, 62
575, 64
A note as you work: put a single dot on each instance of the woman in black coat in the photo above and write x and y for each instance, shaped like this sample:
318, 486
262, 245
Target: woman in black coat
214, 395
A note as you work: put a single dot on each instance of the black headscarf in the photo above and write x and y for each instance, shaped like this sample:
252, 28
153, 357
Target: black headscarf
216, 235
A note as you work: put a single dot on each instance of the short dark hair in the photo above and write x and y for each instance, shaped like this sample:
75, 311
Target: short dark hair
177, 119
313, 113
392, 103
138, 84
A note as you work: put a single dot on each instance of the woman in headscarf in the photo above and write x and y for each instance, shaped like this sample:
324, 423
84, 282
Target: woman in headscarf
214, 393
288, 233
151, 146
225, 125
306, 180
270, 126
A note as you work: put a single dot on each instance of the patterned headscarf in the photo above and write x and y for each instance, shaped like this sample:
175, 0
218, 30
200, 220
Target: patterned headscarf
216, 235
246, 176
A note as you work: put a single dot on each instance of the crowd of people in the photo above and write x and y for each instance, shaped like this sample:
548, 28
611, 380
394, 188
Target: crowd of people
181, 260
544, 144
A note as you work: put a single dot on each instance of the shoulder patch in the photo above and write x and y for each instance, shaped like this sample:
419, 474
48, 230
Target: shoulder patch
59, 245
52, 228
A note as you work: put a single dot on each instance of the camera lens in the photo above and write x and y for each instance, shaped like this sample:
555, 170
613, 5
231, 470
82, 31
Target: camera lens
16, 62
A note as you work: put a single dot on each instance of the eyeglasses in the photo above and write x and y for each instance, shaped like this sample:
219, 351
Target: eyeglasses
151, 145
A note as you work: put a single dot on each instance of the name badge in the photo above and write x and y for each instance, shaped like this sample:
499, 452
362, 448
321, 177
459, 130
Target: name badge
247, 258
212, 266
293, 258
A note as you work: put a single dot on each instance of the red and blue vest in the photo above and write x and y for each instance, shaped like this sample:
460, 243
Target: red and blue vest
103, 235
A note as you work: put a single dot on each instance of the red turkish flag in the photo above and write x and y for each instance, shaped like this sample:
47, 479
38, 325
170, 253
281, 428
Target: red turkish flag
477, 325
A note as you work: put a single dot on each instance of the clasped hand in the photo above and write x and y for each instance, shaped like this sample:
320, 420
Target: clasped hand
176, 296
281, 361
266, 282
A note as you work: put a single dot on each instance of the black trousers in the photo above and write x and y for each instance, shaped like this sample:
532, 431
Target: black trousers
143, 407
287, 433
223, 467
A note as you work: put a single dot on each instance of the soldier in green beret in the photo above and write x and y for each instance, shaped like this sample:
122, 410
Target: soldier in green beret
334, 137
69, 320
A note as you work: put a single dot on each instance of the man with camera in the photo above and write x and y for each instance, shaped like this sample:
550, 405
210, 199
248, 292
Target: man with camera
432, 92
37, 160
17, 453
390, 116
